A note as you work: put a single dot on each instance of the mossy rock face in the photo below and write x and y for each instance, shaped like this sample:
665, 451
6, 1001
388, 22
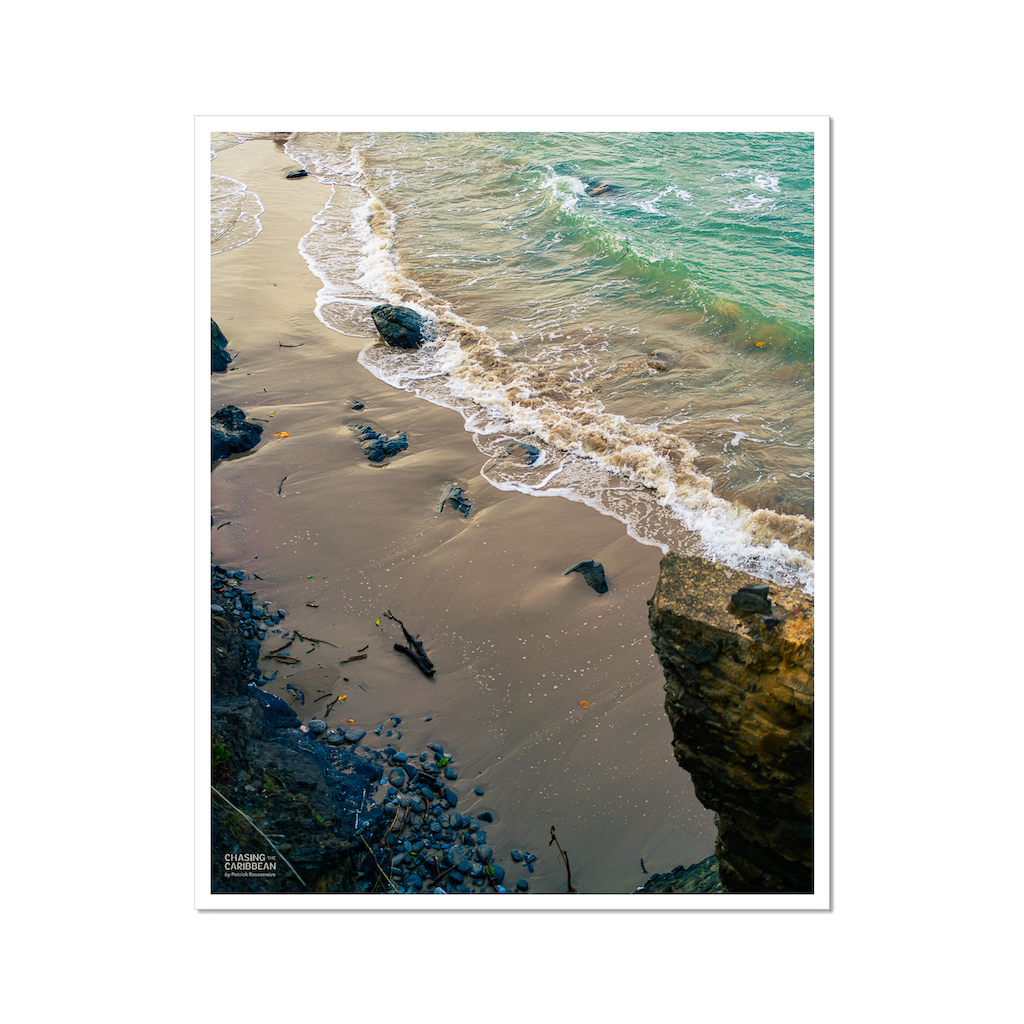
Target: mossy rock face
739, 694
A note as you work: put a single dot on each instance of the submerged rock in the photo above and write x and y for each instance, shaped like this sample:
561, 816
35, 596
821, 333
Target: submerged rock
602, 189
593, 573
530, 452
219, 357
400, 326
231, 433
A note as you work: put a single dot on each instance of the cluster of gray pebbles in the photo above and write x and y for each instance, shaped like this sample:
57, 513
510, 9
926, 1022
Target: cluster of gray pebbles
419, 841
428, 846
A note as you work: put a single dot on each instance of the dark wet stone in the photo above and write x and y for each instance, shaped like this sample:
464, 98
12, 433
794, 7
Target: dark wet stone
399, 326
397, 778
523, 885
486, 816
317, 726
400, 757
455, 496
517, 855
498, 874
478, 791
299, 172
451, 774
450, 796
230, 433
357, 405
378, 447
354, 735
593, 573
484, 853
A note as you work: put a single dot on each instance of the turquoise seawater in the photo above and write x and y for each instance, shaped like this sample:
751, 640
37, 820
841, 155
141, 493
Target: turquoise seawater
638, 307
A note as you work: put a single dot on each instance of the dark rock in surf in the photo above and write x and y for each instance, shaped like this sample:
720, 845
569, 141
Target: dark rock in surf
299, 172
231, 433
455, 497
219, 357
601, 189
530, 452
399, 326
378, 447
593, 573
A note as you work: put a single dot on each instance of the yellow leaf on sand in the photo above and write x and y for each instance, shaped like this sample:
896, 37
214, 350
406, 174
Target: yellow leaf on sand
282, 433
584, 704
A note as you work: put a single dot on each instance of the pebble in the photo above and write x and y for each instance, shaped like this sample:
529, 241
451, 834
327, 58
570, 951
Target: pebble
499, 873
397, 778
400, 757
478, 791
317, 726
450, 773
522, 885
335, 737
354, 735
450, 797
486, 816
484, 853
517, 855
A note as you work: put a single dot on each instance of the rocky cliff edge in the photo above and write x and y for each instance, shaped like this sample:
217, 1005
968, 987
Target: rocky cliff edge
738, 658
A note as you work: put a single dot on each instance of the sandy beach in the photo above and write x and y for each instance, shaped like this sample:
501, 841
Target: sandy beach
337, 541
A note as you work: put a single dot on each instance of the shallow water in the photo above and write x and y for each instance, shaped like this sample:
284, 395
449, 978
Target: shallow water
658, 335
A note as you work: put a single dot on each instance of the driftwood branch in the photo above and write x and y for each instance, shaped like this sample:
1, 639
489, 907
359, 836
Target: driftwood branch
565, 857
415, 650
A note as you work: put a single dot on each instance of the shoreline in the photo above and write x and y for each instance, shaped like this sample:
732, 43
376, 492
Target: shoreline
517, 645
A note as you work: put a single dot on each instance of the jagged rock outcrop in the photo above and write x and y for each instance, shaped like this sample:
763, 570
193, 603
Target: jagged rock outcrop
738, 657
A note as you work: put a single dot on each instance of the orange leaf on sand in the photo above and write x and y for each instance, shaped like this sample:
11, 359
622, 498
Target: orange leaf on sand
759, 344
351, 721
283, 433
584, 704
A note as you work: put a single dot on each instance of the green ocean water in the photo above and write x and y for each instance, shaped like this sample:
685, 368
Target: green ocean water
640, 307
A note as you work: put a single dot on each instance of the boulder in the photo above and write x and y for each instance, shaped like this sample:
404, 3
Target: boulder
399, 326
231, 433
740, 699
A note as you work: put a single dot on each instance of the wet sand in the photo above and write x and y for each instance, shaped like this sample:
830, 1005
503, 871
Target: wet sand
515, 643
